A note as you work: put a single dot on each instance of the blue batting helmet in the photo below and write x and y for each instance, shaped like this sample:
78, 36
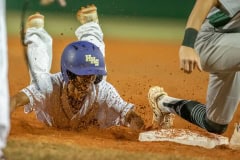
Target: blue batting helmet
82, 58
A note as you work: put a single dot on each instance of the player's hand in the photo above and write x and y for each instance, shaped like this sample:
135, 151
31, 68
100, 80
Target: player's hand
189, 59
135, 121
46, 2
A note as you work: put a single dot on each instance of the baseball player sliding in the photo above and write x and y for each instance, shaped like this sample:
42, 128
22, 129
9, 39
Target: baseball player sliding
73, 98
211, 43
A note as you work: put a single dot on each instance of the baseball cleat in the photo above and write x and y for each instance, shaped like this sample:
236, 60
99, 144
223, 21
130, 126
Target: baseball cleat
36, 20
162, 117
87, 14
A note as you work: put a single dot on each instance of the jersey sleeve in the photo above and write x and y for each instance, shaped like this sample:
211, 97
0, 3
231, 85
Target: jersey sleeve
37, 97
111, 97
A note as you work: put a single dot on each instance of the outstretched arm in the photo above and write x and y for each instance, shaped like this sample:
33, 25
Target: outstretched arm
188, 57
19, 99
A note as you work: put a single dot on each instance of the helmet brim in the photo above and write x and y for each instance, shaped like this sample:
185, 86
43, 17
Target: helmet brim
88, 71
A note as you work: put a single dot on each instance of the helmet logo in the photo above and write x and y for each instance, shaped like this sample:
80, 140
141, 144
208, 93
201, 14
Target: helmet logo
92, 60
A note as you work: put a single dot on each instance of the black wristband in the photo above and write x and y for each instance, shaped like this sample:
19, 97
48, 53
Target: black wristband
190, 37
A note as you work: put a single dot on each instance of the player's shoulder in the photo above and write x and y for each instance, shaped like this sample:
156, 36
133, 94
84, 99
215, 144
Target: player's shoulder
102, 83
105, 86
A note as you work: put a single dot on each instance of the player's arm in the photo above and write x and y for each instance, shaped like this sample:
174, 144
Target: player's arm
135, 121
188, 57
114, 101
19, 99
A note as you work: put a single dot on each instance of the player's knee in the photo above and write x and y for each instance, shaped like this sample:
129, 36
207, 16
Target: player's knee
215, 127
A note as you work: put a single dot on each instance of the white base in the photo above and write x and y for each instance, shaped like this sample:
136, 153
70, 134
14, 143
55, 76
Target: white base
184, 136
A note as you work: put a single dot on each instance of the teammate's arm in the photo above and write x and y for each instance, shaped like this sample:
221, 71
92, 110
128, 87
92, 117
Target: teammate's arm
188, 57
19, 99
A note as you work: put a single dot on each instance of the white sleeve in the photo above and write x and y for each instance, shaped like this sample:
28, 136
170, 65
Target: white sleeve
113, 100
35, 96
38, 97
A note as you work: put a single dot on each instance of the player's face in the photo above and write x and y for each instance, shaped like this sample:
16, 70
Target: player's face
78, 86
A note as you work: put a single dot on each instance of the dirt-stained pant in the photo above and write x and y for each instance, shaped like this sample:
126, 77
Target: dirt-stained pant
4, 94
39, 53
91, 32
220, 56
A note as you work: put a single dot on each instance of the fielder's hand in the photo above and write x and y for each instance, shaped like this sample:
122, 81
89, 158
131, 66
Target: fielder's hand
189, 59
46, 2
135, 121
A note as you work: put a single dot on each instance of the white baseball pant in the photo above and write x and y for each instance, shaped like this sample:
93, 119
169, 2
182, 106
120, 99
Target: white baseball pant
92, 32
39, 54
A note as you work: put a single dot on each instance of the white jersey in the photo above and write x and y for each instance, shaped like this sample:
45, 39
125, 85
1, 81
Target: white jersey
103, 104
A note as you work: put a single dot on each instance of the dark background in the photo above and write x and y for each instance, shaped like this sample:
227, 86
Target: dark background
177, 9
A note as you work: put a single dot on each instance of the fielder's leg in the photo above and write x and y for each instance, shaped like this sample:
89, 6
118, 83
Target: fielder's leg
219, 53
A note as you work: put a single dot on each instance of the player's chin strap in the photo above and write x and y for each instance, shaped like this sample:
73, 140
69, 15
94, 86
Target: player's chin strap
22, 32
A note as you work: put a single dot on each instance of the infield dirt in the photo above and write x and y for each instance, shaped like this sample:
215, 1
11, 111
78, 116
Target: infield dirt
133, 66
